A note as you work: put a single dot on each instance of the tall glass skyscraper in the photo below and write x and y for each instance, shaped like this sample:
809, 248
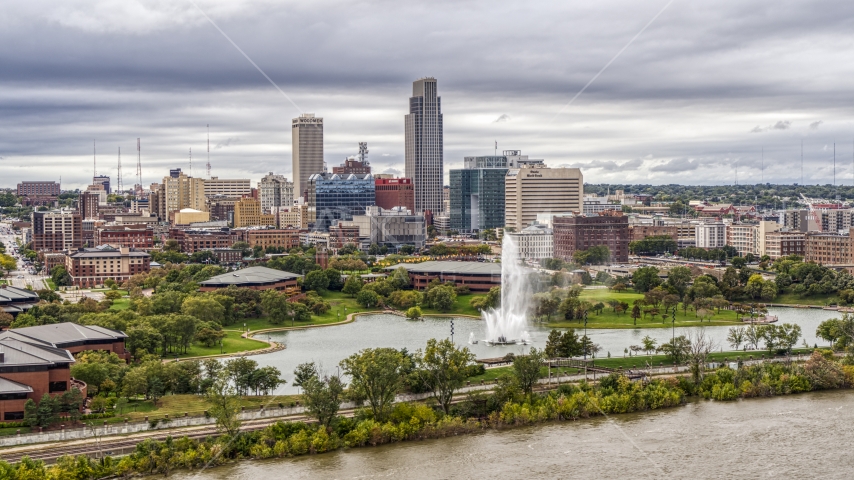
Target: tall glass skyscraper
424, 145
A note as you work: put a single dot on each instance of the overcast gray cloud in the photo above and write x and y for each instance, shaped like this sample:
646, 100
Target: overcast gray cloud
677, 106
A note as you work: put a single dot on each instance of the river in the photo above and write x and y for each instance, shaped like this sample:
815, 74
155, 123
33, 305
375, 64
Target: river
327, 346
798, 436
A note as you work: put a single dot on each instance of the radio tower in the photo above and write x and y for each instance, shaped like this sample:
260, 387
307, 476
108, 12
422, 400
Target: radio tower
191, 161
94, 163
138, 165
119, 186
209, 151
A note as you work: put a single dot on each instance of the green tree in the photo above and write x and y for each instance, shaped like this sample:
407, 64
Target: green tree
322, 397
526, 370
47, 410
377, 376
679, 278
31, 413
316, 280
276, 306
205, 309
649, 344
735, 337
399, 279
414, 313
353, 285
645, 279
303, 373
441, 298
336, 283
676, 349
368, 298
443, 368
224, 406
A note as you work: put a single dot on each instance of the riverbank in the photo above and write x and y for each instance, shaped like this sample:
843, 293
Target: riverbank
500, 410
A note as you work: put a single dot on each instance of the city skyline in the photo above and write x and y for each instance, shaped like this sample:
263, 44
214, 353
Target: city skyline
691, 99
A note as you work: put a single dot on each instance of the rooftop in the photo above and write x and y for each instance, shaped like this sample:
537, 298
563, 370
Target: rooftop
250, 276
14, 299
472, 268
8, 386
19, 352
58, 334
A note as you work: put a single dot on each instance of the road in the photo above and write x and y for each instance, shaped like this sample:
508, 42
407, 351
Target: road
8, 237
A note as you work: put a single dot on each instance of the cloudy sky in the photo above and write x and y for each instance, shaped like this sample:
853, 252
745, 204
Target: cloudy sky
695, 97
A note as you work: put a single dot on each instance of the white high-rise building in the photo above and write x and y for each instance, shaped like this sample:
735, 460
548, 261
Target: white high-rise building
275, 191
306, 150
229, 187
424, 145
533, 190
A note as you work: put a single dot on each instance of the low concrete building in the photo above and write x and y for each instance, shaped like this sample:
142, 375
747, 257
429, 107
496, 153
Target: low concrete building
478, 276
14, 300
391, 227
72, 337
255, 278
187, 216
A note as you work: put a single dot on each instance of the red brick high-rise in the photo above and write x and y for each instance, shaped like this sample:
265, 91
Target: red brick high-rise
395, 192
580, 232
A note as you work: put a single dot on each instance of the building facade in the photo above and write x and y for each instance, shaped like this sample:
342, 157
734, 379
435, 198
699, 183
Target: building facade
307, 150
275, 191
535, 242
783, 244
828, 248
394, 227
87, 205
90, 267
395, 192
38, 189
104, 181
533, 189
710, 235
340, 235
227, 187
477, 199
247, 213
57, 231
424, 151
177, 192
333, 198
139, 237
286, 238
580, 232
192, 241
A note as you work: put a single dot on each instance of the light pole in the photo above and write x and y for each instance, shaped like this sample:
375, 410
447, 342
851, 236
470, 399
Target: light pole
452, 330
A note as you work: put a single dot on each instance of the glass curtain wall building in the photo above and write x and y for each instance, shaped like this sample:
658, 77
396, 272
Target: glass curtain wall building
477, 190
336, 198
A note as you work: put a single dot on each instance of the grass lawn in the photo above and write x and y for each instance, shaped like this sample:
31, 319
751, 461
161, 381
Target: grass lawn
594, 295
50, 284
195, 405
609, 319
793, 299
120, 304
232, 343
461, 307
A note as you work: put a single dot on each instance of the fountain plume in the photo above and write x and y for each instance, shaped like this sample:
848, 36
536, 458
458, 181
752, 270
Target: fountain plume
506, 324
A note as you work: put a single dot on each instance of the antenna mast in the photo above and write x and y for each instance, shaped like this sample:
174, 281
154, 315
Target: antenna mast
209, 151
802, 161
191, 161
762, 168
119, 186
138, 164
94, 163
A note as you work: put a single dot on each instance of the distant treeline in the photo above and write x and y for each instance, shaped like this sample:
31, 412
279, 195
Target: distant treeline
766, 195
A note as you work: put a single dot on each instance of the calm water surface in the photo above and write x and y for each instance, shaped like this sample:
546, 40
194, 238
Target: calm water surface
799, 436
327, 346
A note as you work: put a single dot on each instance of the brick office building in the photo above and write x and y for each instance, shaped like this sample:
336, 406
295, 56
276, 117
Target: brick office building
38, 189
131, 236
29, 370
395, 192
191, 241
90, 267
340, 235
478, 276
580, 232
286, 238
57, 231
255, 278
